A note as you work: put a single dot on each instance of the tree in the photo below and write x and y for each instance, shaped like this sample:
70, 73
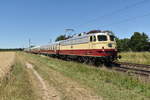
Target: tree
123, 44
61, 37
139, 42
32, 46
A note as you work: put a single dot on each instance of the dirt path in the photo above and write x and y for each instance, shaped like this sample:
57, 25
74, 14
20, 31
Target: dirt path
6, 61
71, 89
47, 92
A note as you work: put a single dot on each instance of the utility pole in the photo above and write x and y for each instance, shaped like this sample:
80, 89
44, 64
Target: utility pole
29, 44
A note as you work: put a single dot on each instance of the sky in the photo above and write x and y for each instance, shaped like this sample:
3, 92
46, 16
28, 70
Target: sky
44, 20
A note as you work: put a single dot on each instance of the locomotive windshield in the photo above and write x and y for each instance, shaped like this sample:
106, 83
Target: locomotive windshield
112, 38
102, 38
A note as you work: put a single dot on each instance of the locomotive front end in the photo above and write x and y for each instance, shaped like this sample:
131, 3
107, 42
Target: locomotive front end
104, 46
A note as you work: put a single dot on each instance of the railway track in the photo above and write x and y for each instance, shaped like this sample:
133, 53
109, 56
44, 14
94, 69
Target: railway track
132, 68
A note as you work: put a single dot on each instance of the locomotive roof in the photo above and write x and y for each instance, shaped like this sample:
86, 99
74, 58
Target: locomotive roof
75, 37
86, 35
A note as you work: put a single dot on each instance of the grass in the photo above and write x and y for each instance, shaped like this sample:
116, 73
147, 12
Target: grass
136, 57
16, 85
107, 84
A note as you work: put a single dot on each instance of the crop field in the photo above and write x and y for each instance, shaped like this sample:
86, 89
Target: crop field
135, 57
36, 77
6, 61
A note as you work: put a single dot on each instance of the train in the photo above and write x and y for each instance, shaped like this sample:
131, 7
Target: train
98, 46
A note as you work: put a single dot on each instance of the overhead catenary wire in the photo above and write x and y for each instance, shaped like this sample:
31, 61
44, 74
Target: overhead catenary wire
114, 12
127, 20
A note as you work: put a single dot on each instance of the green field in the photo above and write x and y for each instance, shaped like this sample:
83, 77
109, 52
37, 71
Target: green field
135, 57
108, 84
70, 80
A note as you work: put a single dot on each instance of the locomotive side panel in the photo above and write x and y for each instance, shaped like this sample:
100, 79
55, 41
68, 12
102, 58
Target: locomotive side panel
91, 47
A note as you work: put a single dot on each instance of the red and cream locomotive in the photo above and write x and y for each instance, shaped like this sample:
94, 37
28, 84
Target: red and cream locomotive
99, 45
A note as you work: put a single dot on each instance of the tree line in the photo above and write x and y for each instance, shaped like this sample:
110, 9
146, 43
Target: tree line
11, 49
137, 42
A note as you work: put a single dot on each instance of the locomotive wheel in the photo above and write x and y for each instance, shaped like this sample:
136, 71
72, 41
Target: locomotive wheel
92, 61
85, 60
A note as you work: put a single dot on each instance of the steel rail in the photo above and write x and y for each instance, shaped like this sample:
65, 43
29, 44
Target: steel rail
139, 69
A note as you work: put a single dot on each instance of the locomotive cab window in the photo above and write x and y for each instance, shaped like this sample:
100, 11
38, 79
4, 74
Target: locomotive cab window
112, 38
102, 38
92, 38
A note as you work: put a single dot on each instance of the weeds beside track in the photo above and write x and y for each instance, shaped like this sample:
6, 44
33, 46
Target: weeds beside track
131, 68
